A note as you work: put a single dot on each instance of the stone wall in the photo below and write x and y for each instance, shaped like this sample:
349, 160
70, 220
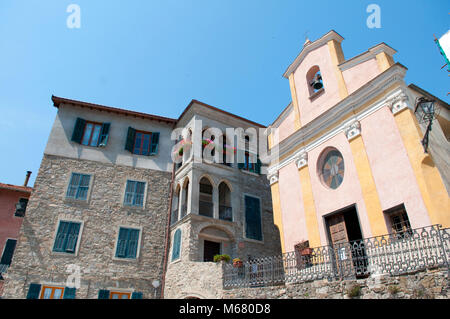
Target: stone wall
187, 279
101, 215
427, 284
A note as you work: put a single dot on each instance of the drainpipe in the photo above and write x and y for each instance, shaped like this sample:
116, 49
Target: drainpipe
27, 178
166, 248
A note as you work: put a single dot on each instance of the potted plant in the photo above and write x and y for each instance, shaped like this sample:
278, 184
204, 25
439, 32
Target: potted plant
237, 262
218, 258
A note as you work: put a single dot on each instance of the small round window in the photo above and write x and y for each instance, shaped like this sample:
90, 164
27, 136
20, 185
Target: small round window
332, 169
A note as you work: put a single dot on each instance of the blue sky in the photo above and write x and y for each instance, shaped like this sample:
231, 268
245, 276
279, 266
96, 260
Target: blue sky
155, 56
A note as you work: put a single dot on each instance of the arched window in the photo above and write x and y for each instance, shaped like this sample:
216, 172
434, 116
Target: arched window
226, 149
314, 80
175, 202
205, 205
225, 211
184, 199
176, 247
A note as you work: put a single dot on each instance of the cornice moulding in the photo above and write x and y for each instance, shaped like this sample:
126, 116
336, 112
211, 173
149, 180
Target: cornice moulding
341, 110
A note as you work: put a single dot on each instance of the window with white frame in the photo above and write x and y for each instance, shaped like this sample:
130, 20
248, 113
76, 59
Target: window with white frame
67, 237
78, 186
127, 243
134, 193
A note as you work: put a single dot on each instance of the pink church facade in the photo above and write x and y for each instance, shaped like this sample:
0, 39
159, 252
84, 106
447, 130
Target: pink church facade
351, 164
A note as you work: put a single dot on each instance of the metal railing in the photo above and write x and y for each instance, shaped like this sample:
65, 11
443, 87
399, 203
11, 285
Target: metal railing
174, 217
183, 211
206, 208
391, 254
225, 213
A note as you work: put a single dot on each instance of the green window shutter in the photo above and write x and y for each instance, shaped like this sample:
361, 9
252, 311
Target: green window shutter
61, 237
154, 144
78, 131
122, 243
104, 133
72, 237
33, 291
8, 252
252, 218
133, 239
69, 293
176, 244
136, 295
103, 294
131, 135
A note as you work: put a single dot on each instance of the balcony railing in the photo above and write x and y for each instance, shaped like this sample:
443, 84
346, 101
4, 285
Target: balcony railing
174, 217
388, 254
205, 208
225, 213
183, 211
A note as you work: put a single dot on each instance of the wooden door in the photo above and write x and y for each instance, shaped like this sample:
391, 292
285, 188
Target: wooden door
340, 245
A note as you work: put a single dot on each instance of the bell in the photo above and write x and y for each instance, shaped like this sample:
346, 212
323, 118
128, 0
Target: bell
316, 83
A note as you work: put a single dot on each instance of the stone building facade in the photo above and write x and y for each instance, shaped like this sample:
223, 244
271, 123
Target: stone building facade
210, 207
97, 212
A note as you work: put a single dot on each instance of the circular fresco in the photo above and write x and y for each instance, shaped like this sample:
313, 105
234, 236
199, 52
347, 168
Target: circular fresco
332, 170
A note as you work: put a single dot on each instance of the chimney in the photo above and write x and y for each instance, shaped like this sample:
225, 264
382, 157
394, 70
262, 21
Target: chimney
27, 178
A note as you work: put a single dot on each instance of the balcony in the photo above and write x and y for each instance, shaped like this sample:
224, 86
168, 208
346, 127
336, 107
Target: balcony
183, 211
225, 213
206, 209
174, 217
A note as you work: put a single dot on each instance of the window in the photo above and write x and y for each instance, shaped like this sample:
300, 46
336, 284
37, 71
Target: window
21, 207
78, 186
8, 252
50, 292
90, 133
332, 168
67, 237
134, 193
107, 294
119, 295
127, 243
176, 245
250, 164
253, 229
399, 220
142, 143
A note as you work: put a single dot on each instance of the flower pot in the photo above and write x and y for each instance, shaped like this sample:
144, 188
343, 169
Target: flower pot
306, 251
238, 264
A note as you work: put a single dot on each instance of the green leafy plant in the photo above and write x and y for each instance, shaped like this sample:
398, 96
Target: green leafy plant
354, 291
393, 290
224, 257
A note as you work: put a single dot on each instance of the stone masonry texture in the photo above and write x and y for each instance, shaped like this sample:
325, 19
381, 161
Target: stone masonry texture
101, 214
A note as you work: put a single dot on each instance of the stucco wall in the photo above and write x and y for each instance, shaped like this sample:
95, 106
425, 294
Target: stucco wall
360, 74
310, 109
60, 144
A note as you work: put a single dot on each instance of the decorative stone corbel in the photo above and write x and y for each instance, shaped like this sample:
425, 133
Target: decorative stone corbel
302, 159
398, 103
353, 130
273, 177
